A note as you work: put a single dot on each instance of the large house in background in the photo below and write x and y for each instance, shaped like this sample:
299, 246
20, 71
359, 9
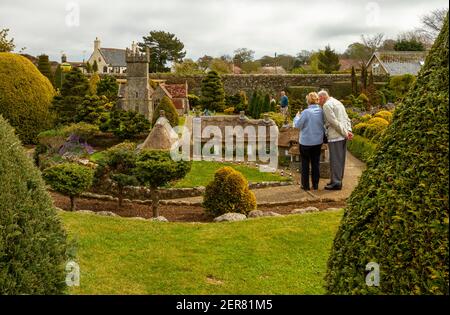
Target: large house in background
109, 60
396, 62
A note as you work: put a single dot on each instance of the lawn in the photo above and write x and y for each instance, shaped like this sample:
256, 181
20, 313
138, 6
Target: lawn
281, 255
202, 172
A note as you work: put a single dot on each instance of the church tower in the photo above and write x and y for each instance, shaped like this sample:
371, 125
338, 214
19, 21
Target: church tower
138, 90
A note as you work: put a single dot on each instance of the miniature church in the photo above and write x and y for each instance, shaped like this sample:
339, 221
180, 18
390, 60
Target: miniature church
137, 94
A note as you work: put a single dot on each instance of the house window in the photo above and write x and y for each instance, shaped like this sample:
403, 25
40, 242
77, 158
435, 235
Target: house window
99, 59
105, 69
137, 94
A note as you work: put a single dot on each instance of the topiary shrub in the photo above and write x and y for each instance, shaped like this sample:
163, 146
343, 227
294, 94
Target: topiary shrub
398, 215
363, 102
69, 179
386, 115
401, 84
25, 96
118, 163
155, 168
228, 192
32, 240
170, 112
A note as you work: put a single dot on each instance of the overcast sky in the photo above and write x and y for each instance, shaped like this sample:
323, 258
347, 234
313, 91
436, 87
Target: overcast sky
212, 27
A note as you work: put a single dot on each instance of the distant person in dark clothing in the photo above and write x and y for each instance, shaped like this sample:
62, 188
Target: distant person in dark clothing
284, 103
312, 129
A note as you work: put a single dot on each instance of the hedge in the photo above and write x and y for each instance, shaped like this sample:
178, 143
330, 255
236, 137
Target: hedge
398, 215
32, 239
25, 96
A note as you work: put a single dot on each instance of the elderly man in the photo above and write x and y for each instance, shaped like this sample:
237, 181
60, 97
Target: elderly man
339, 130
284, 103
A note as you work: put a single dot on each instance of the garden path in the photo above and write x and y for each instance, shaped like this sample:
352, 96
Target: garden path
292, 193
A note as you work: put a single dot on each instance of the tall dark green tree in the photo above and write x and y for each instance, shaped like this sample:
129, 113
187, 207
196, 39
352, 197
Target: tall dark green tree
164, 47
58, 78
95, 66
73, 91
354, 82
398, 215
328, 60
108, 87
44, 67
212, 92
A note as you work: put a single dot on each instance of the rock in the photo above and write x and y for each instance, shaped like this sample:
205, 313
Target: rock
259, 213
332, 209
106, 213
255, 214
272, 214
304, 210
232, 216
311, 209
159, 219
85, 211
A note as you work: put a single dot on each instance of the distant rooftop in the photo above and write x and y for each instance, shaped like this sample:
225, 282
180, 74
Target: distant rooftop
401, 62
114, 56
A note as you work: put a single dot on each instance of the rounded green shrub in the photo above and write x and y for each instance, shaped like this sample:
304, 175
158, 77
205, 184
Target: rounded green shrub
228, 192
398, 215
69, 179
360, 128
170, 112
25, 96
366, 117
32, 240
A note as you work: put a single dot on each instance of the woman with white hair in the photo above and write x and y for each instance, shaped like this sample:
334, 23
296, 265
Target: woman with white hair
312, 130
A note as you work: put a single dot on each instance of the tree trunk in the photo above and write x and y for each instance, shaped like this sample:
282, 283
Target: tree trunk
72, 203
155, 201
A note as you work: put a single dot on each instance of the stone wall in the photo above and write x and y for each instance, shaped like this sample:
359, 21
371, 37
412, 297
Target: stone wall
268, 82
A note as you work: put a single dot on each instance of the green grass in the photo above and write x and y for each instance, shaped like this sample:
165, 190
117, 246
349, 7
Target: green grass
202, 172
281, 255
96, 156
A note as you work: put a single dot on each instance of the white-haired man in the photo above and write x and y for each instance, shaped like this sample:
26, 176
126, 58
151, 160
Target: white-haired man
339, 130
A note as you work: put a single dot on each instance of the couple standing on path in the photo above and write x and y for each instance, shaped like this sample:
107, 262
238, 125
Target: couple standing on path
324, 121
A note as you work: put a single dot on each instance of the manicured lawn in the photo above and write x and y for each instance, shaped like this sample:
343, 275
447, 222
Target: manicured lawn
284, 255
202, 173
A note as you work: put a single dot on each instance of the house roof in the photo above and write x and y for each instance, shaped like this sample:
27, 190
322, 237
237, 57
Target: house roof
400, 62
347, 64
288, 136
114, 56
176, 90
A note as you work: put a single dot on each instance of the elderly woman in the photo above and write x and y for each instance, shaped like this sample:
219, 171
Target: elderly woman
311, 125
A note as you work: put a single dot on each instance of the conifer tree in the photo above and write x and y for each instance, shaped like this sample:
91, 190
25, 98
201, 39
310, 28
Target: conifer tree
212, 92
398, 215
44, 67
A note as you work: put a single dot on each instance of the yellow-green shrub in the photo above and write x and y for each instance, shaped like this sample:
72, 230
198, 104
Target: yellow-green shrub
228, 192
360, 128
229, 111
375, 128
25, 96
387, 115
366, 117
